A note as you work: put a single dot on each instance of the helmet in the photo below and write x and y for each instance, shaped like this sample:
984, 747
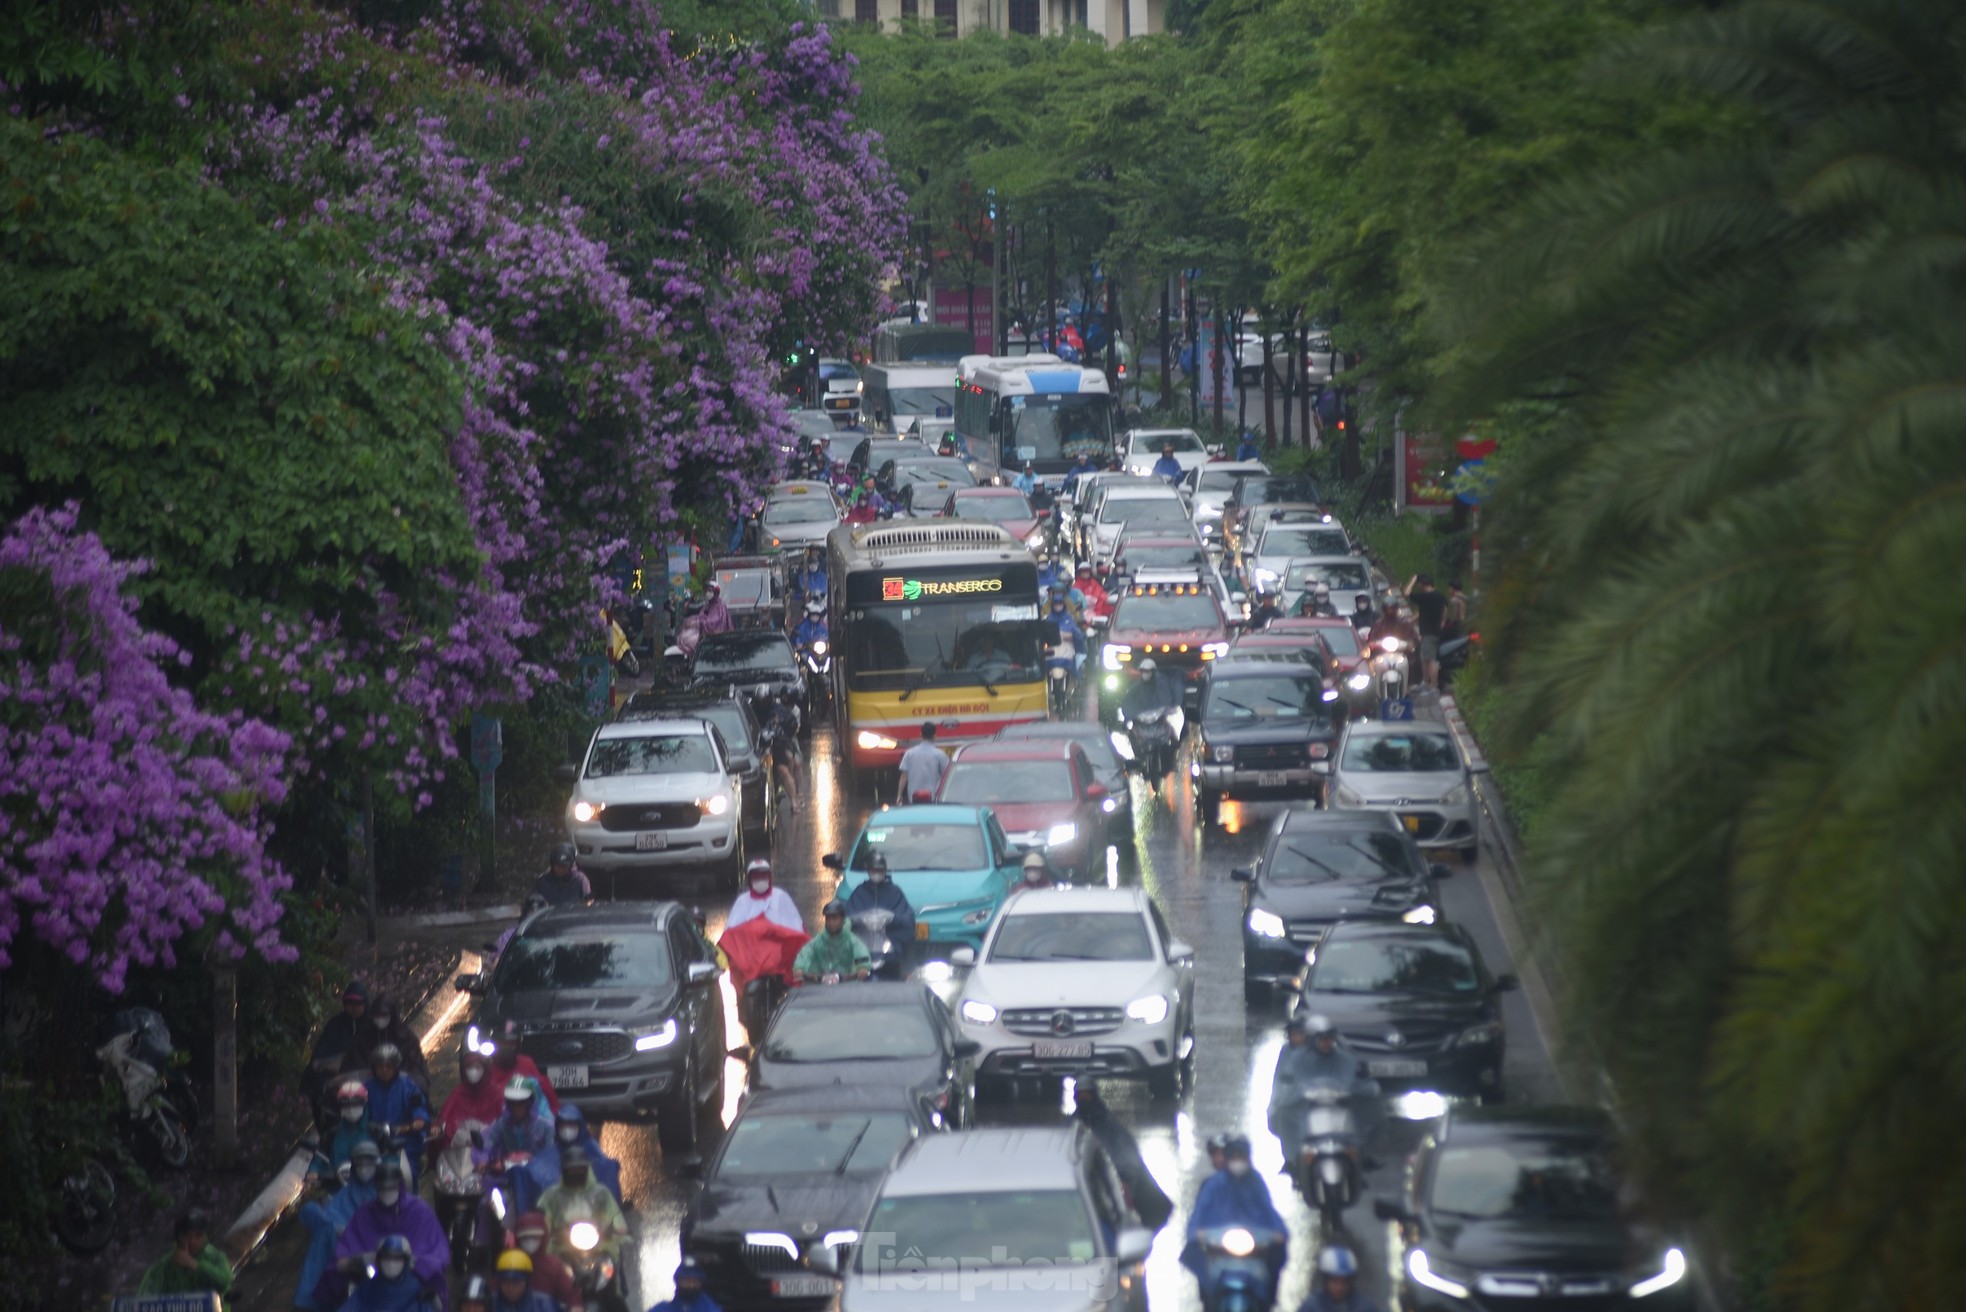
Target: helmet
562, 853
877, 860
390, 1172
352, 1091
365, 1150
1218, 1143
518, 1089
1085, 567
1148, 667
386, 1054
1337, 1260
569, 1115
355, 992
513, 1259
1235, 1145
535, 902
1323, 591
397, 1244
689, 1270
574, 1156
815, 607
674, 653
476, 1290
712, 588
530, 1223
758, 866
1034, 861
789, 695
1319, 1023
833, 908
1294, 1025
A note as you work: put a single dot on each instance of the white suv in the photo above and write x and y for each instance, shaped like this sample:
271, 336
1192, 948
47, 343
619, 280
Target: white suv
656, 794
1085, 982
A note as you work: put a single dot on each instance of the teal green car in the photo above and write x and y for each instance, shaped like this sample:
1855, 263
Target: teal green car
953, 862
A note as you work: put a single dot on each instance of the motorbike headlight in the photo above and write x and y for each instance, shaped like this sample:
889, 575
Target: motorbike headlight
1122, 745
1475, 1036
1455, 795
978, 1012
1329, 695
1110, 805
584, 1235
1034, 539
1268, 924
1389, 643
1208, 512
1420, 915
1059, 835
1115, 655
1359, 682
1427, 1277
1238, 1242
1672, 1269
587, 812
1150, 1010
660, 1037
873, 742
819, 647
1222, 755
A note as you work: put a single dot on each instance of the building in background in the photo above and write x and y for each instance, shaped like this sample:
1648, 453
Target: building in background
1115, 20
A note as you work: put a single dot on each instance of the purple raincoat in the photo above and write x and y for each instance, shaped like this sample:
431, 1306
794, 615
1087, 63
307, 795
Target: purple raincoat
411, 1218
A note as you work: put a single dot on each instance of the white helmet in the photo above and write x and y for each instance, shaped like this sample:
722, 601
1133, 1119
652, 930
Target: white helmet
815, 607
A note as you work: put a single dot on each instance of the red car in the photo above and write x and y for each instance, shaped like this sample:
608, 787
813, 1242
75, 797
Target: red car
1043, 792
1346, 648
999, 505
1176, 625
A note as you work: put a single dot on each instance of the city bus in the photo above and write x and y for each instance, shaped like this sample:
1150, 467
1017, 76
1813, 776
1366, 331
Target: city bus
931, 620
1036, 408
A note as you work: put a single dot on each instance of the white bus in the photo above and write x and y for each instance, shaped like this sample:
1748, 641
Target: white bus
897, 393
1036, 408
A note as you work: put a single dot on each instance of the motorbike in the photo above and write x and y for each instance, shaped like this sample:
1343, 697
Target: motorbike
870, 927
1238, 1267
816, 658
460, 1193
154, 1120
497, 1206
1327, 1169
594, 1268
1151, 737
1060, 657
1389, 669
83, 1209
759, 1003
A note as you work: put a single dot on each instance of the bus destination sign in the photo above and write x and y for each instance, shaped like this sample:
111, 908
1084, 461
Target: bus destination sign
893, 589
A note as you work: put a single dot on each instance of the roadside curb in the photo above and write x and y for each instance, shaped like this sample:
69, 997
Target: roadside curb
249, 1230
504, 913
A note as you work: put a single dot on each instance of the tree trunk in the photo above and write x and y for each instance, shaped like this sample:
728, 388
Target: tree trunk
1269, 390
1047, 332
1304, 372
1166, 349
1216, 362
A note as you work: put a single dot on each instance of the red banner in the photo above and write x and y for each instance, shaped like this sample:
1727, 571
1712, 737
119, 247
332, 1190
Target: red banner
953, 306
1428, 470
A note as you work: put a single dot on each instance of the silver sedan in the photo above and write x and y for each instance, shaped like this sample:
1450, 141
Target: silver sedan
1415, 770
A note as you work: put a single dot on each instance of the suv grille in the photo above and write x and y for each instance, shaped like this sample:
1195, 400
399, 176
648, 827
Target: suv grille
1414, 1036
768, 1259
658, 815
587, 1047
1272, 756
1043, 1022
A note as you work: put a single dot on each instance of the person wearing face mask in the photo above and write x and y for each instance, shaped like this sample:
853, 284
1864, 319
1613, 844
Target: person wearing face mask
327, 1216
396, 1101
580, 1197
550, 1276
508, 1062
395, 1285
393, 1212
1235, 1196
194, 1265
1036, 873
1313, 1054
341, 1038
477, 1099
512, 1287
881, 893
835, 952
386, 1025
1335, 1286
569, 1131
351, 1127
690, 1294
522, 1127
762, 899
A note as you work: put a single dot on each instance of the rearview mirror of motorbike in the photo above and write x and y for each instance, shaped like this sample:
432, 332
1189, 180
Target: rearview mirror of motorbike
1506, 984
832, 861
1387, 1209
566, 773
1242, 875
1094, 792
1133, 1244
470, 982
1439, 871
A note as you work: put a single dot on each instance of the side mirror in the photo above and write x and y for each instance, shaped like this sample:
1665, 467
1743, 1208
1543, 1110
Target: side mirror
471, 982
742, 1052
1239, 598
1094, 792
963, 956
1044, 512
1439, 871
566, 773
967, 1048
1133, 1244
701, 972
1387, 1209
1506, 984
691, 1168
1180, 953
832, 861
825, 1259
1320, 767
1243, 875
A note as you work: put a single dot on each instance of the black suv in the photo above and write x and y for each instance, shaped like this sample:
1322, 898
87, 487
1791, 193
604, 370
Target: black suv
751, 664
1526, 1208
748, 758
618, 1005
1318, 868
1266, 730
891, 1035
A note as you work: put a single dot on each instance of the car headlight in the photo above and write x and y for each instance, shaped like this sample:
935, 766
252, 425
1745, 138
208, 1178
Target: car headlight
661, 1037
977, 1012
1115, 655
1359, 682
1268, 924
587, 812
835, 1238
1346, 797
1263, 576
980, 916
819, 647
1474, 1036
1150, 1010
1427, 1277
1420, 915
873, 742
1672, 1271
1058, 835
1122, 745
1211, 651
1455, 795
1208, 512
1222, 754
716, 805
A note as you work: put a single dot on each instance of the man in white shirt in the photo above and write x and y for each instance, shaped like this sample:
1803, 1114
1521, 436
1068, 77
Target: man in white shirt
922, 767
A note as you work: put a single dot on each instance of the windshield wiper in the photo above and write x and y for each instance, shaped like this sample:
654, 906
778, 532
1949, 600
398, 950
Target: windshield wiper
1331, 870
1373, 857
1224, 701
923, 677
847, 1156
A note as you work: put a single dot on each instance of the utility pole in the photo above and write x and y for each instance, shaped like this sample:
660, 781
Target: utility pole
1269, 385
1048, 333
1166, 347
999, 342
1215, 363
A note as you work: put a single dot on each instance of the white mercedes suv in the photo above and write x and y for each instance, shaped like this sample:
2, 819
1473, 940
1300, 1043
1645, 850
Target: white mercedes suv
1085, 982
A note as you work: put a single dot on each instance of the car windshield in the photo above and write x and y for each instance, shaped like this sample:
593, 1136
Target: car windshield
986, 783
1339, 576
1402, 966
1080, 936
1269, 697
816, 1143
801, 510
966, 1230
1257, 489
1165, 612
923, 847
1097, 746
1401, 753
922, 400
1526, 1181
1164, 557
1343, 642
814, 423
675, 753
743, 651
1290, 540
1315, 858
865, 1033
935, 469
998, 508
831, 369
1219, 480
1183, 442
1143, 510
543, 961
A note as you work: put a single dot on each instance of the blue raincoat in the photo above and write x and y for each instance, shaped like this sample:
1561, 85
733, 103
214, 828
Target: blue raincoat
325, 1221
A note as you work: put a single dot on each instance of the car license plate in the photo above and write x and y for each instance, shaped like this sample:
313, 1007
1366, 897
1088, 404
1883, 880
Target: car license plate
1394, 1069
1044, 1049
802, 1287
567, 1077
1269, 778
653, 840
1412, 823
921, 930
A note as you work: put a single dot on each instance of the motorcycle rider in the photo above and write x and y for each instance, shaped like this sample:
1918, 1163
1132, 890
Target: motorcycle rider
550, 1276
352, 1127
1317, 601
1094, 593
326, 1217
475, 1097
341, 1045
563, 884
1334, 1288
1026, 480
810, 581
1080, 467
1312, 1054
476, 1296
393, 1211
579, 1197
1036, 872
1266, 609
1235, 1196
395, 1285
507, 1061
1059, 619
570, 1130
689, 1292
521, 1129
675, 667
1167, 466
716, 615
1363, 617
386, 1025
1153, 691
780, 726
833, 951
812, 627
1395, 623
513, 1290
194, 1265
881, 893
1247, 448
762, 899
397, 1101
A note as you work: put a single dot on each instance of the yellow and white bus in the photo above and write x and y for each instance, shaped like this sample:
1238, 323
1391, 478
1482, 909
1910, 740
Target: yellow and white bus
931, 620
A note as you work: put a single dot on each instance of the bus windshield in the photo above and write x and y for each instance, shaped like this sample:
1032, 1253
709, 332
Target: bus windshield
939, 644
1059, 427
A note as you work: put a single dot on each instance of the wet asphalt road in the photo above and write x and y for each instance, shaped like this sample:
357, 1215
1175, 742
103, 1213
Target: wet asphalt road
1188, 874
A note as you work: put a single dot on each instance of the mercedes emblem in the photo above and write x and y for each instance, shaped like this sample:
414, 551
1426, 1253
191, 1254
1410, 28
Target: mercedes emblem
1394, 1039
1062, 1022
